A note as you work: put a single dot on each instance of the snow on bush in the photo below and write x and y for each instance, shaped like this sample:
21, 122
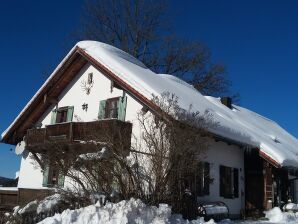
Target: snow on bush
131, 211
48, 203
30, 207
275, 215
291, 206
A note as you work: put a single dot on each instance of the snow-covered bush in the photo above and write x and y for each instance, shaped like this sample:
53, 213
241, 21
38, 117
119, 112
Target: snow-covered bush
35, 210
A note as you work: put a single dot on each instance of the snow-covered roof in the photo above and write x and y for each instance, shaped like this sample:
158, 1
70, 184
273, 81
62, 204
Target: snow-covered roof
238, 124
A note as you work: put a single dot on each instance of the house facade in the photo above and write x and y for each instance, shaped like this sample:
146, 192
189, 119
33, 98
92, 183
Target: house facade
98, 87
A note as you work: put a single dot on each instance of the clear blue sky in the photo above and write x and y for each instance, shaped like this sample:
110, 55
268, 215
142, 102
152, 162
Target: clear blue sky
256, 40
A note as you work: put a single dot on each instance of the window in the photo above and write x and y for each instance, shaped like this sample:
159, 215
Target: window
63, 114
198, 181
229, 182
52, 177
113, 108
203, 179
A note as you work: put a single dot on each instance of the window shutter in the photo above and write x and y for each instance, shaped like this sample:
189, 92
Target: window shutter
122, 108
102, 109
61, 180
53, 117
45, 176
206, 178
236, 183
69, 114
221, 177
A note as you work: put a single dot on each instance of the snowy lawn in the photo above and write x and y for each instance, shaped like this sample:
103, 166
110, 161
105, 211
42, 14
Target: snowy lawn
135, 211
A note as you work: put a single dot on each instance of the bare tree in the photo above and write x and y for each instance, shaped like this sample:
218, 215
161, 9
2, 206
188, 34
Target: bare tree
171, 147
168, 151
142, 29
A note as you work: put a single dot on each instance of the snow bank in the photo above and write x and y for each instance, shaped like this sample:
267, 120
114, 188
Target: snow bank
132, 211
275, 215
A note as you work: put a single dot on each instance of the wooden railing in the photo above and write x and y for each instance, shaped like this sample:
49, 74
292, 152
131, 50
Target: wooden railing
72, 133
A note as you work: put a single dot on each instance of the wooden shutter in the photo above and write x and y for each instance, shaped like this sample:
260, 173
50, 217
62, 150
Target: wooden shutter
122, 108
45, 176
236, 183
206, 178
69, 114
54, 116
102, 109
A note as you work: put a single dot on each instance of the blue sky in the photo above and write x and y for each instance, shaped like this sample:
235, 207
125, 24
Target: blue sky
256, 40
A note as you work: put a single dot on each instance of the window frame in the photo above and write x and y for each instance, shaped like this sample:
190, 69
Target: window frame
109, 101
68, 115
203, 179
60, 110
48, 177
228, 182
198, 180
119, 112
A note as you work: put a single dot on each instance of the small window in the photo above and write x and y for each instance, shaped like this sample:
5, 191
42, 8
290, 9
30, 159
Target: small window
203, 179
229, 183
198, 181
63, 114
52, 177
112, 108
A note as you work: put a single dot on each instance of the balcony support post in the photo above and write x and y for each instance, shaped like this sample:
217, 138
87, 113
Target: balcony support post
38, 160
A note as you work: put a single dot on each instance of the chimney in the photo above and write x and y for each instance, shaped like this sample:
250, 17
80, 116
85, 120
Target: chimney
227, 101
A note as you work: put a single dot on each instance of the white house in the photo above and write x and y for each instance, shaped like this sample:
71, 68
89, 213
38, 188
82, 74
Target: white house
251, 158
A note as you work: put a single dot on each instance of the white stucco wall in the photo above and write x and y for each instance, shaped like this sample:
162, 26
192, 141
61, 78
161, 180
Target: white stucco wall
30, 174
73, 95
219, 153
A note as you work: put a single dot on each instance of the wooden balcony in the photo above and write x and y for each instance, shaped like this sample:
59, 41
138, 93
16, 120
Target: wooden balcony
80, 135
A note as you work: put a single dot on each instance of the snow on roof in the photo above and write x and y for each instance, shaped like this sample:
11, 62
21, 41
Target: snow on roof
8, 189
238, 124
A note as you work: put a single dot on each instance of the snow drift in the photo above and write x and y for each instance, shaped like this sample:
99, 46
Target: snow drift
131, 211
275, 215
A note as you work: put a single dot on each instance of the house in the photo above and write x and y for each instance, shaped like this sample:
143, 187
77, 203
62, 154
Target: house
252, 160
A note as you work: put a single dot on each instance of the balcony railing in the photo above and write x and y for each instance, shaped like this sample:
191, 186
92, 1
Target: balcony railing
79, 134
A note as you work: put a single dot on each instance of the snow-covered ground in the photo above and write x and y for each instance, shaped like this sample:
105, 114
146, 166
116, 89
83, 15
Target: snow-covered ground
135, 211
